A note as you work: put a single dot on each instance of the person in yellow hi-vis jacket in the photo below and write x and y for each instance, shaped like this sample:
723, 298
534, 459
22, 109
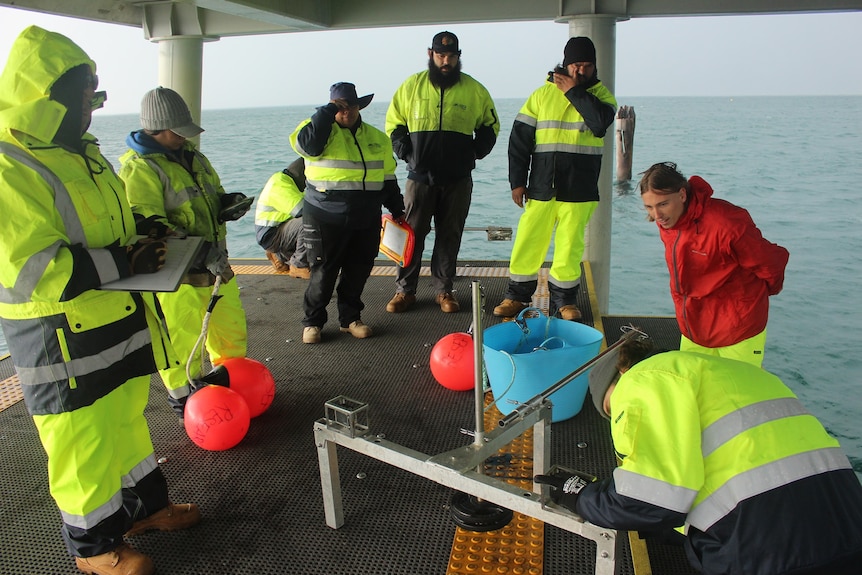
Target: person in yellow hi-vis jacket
84, 356
168, 181
557, 139
726, 450
278, 220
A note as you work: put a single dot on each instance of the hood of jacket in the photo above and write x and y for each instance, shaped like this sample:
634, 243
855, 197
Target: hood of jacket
37, 59
699, 193
143, 144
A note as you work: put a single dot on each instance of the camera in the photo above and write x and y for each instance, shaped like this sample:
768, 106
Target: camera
557, 70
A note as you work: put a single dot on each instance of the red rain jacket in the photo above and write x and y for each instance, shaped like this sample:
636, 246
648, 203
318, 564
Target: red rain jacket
722, 270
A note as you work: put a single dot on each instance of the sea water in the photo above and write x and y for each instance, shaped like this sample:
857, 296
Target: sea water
793, 162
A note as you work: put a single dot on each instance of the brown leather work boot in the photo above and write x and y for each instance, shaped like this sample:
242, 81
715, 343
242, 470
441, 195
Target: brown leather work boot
358, 330
280, 266
121, 561
400, 302
570, 312
171, 518
301, 273
510, 308
447, 302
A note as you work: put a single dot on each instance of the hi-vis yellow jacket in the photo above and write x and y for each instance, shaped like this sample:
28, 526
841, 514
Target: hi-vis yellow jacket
726, 449
558, 140
280, 200
67, 220
441, 133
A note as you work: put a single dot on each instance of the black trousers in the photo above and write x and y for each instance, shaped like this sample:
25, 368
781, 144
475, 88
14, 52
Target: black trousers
334, 249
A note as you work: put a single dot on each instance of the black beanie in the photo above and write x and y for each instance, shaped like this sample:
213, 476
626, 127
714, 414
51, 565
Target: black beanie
579, 49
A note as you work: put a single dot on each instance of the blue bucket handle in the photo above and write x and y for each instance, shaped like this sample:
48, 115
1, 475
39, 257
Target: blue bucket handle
521, 321
544, 346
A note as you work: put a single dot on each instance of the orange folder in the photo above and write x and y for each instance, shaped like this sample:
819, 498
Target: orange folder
396, 240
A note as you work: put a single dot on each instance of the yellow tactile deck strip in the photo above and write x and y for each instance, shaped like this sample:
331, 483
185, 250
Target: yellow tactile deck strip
519, 547
383, 271
10, 392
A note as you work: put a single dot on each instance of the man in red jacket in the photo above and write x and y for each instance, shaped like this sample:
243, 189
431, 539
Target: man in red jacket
722, 270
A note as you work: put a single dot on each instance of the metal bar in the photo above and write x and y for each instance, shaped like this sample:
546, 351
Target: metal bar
479, 437
330, 481
537, 399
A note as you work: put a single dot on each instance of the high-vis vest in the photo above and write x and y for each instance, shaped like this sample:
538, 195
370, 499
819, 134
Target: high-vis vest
699, 435
349, 162
280, 201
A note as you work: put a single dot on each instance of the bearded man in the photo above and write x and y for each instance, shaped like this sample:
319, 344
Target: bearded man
440, 121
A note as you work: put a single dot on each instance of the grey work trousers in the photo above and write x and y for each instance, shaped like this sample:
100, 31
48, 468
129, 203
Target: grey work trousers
448, 205
287, 242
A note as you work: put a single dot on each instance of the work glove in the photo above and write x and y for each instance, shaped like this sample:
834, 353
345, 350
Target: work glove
146, 256
566, 486
233, 206
151, 227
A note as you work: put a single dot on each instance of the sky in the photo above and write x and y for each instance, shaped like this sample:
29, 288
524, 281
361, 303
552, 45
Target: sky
793, 54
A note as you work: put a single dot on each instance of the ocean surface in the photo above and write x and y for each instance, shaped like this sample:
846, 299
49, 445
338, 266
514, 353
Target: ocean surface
795, 163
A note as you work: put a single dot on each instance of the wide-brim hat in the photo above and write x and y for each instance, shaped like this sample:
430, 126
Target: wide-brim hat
602, 374
347, 92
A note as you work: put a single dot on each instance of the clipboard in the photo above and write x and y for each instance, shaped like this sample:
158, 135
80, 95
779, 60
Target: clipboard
396, 240
178, 260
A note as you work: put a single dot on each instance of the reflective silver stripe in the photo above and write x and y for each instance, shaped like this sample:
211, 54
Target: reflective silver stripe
96, 516
654, 491
296, 211
523, 278
726, 428
324, 185
105, 264
389, 177
525, 119
558, 125
301, 151
564, 284
30, 274
84, 365
348, 164
568, 148
762, 479
180, 392
139, 471
62, 199
33, 270
173, 198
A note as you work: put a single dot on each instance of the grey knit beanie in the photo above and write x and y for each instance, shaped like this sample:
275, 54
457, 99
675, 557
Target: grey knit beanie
164, 109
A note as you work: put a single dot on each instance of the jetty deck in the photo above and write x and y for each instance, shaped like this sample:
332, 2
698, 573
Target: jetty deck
262, 503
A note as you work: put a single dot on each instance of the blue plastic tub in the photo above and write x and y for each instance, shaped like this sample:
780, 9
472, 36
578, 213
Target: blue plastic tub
525, 357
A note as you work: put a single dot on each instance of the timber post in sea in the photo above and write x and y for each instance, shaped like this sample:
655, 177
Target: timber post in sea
625, 137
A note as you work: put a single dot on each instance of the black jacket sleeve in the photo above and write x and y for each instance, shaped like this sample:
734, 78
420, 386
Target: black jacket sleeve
599, 503
522, 141
401, 143
392, 198
313, 136
484, 141
598, 115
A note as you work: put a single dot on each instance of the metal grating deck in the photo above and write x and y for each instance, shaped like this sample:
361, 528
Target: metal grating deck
261, 501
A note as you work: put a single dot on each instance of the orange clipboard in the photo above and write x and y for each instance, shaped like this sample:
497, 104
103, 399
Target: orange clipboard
396, 240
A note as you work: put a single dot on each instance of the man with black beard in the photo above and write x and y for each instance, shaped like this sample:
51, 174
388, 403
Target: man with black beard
440, 121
